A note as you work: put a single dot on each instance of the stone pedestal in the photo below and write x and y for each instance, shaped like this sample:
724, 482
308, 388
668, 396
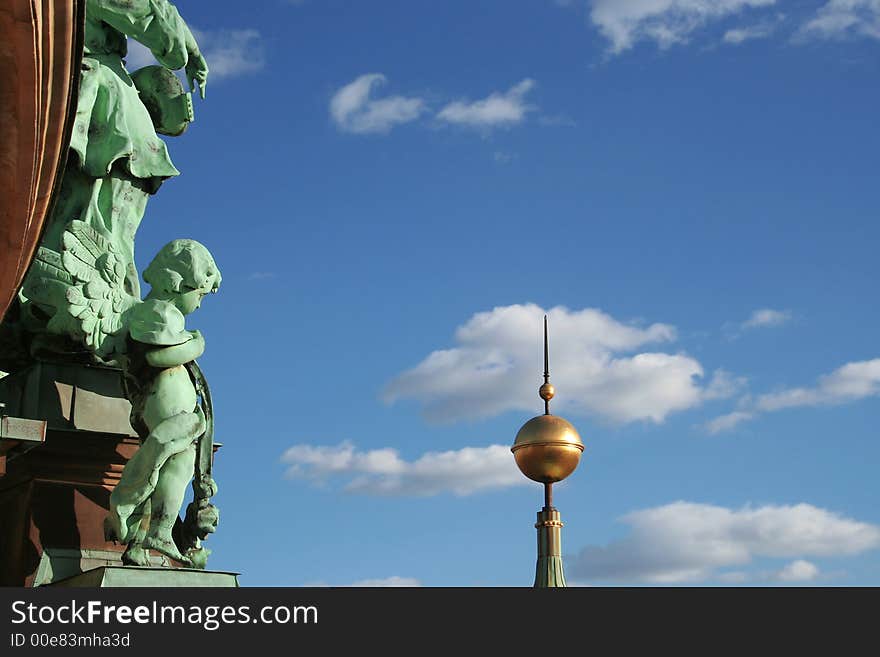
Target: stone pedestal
129, 576
54, 497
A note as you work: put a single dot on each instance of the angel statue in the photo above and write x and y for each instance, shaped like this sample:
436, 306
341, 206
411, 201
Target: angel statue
171, 404
116, 159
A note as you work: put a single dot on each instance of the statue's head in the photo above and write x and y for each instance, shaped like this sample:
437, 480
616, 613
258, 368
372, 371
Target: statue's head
183, 272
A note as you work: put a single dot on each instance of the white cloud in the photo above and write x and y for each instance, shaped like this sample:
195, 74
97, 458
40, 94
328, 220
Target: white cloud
848, 383
761, 30
728, 421
798, 571
498, 109
794, 571
665, 22
767, 318
354, 110
761, 318
497, 363
383, 472
738, 35
723, 385
690, 542
838, 19
229, 53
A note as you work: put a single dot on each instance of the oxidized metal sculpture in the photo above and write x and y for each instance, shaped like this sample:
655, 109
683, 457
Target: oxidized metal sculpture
86, 284
80, 301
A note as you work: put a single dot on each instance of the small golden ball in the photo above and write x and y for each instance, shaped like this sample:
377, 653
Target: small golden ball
547, 391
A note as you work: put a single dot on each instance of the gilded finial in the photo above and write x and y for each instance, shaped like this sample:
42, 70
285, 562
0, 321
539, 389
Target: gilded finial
547, 449
546, 391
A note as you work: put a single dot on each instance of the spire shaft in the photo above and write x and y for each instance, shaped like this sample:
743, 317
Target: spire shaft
546, 354
546, 390
548, 495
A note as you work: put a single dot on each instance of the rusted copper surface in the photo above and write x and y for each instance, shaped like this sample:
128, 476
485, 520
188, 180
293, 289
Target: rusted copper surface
40, 51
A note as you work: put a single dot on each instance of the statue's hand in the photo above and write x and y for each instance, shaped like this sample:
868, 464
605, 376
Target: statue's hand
178, 354
199, 338
197, 72
204, 488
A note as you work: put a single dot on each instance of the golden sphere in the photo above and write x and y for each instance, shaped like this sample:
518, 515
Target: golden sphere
547, 449
547, 391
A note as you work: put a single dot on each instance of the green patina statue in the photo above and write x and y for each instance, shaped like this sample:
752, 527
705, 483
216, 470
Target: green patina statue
163, 387
85, 284
80, 301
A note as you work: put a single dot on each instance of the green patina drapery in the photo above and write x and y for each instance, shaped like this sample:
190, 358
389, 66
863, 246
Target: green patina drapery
116, 159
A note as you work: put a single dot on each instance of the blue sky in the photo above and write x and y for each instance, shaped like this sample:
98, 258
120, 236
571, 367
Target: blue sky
396, 192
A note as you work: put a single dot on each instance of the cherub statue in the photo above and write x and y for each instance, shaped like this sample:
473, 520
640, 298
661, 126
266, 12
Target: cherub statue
85, 283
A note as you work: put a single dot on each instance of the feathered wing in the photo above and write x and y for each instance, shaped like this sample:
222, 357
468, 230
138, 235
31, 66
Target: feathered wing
85, 285
98, 299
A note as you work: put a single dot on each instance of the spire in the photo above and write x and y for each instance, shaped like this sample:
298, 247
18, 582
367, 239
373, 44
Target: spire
546, 353
546, 391
547, 449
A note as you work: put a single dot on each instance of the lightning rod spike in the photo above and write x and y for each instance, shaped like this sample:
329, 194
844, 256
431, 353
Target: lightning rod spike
546, 391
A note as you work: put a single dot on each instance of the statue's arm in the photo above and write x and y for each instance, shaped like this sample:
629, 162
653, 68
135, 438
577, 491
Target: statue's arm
154, 23
178, 354
196, 66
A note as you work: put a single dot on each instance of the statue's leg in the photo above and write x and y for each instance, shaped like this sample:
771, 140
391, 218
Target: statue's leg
141, 473
167, 498
136, 554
